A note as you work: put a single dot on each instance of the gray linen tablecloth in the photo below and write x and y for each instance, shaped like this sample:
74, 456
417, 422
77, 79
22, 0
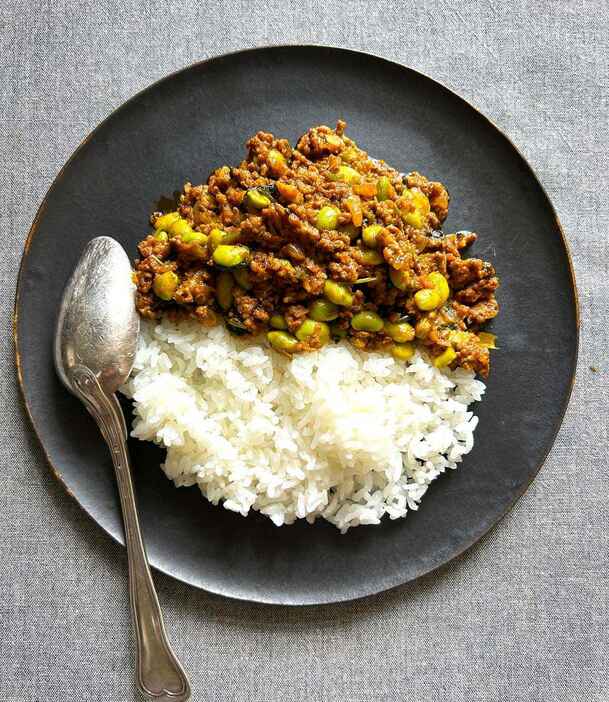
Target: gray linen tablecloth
523, 615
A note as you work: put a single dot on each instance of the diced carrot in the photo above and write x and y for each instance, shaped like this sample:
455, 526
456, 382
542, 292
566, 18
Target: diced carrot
355, 208
289, 192
365, 189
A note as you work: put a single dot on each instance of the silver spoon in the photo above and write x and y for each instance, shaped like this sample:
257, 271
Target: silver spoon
95, 344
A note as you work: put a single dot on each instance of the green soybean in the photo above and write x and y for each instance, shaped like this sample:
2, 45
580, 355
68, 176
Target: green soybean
327, 218
346, 174
367, 321
338, 293
165, 285
323, 311
227, 256
402, 352
180, 227
371, 257
165, 221
370, 235
219, 236
310, 327
224, 290
282, 341
257, 199
400, 279
400, 331
193, 237
242, 276
277, 321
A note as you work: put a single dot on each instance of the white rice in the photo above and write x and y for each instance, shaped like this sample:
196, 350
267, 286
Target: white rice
339, 434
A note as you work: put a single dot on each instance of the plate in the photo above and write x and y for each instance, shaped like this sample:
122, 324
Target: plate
180, 129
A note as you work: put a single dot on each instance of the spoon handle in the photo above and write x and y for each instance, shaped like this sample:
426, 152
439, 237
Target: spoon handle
159, 674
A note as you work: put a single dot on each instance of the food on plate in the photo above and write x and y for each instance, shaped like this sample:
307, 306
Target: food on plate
310, 336
318, 242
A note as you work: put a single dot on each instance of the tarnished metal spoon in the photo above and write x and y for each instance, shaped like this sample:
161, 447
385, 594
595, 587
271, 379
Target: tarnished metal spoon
95, 344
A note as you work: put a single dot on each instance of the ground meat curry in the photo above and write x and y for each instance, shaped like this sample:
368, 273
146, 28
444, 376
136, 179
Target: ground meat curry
321, 242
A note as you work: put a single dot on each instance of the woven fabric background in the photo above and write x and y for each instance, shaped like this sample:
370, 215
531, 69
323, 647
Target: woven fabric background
521, 617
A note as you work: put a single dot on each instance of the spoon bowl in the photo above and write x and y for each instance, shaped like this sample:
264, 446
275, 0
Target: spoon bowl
98, 325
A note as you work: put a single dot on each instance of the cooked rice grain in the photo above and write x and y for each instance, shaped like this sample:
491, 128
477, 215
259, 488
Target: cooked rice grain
340, 434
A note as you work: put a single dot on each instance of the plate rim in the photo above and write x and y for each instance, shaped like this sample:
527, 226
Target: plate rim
119, 538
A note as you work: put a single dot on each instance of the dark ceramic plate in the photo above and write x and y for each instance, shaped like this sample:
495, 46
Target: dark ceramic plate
189, 123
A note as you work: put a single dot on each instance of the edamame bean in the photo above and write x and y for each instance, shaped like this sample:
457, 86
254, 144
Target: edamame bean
242, 276
402, 352
458, 338
227, 256
370, 235
277, 321
400, 279
282, 341
256, 199
345, 174
414, 207
323, 311
327, 218
350, 154
180, 227
371, 257
165, 221
445, 358
440, 285
194, 237
165, 285
338, 293
310, 327
219, 236
224, 290
367, 321
427, 299
400, 331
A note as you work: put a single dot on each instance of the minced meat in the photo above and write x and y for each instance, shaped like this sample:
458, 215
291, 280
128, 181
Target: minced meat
292, 219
